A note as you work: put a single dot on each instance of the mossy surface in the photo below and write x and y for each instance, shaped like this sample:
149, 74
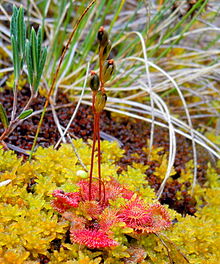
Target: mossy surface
32, 232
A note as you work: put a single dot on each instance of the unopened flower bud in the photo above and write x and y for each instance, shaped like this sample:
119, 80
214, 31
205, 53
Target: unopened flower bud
100, 101
93, 81
102, 37
106, 50
108, 70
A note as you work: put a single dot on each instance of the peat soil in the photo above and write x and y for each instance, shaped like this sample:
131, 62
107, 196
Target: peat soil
131, 134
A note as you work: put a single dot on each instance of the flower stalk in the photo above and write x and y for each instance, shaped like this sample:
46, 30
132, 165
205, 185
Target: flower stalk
99, 98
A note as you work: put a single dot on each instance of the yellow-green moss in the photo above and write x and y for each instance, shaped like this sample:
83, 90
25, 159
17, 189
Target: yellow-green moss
28, 223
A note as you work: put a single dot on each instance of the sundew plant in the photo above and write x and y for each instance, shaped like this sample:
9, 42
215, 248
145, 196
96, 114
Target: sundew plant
109, 132
100, 206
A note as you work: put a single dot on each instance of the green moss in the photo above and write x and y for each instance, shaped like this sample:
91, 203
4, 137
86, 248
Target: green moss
198, 235
29, 226
8, 161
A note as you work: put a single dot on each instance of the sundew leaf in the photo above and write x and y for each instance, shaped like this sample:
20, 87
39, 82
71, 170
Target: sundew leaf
25, 113
3, 116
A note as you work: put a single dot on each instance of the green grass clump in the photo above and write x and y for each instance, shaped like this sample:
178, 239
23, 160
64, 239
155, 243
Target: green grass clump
31, 229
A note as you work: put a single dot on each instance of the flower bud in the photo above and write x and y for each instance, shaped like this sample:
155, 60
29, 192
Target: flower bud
93, 81
106, 50
102, 37
108, 70
100, 101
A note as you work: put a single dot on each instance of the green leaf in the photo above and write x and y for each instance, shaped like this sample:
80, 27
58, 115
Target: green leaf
13, 24
20, 29
40, 68
34, 49
29, 62
18, 36
3, 116
25, 113
39, 43
15, 58
42, 60
21, 33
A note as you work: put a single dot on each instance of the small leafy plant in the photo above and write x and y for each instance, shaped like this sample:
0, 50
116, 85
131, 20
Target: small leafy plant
102, 212
27, 52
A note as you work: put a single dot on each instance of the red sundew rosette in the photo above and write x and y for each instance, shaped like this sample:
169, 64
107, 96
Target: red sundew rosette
160, 219
65, 201
144, 219
135, 214
114, 190
84, 190
92, 238
107, 219
90, 209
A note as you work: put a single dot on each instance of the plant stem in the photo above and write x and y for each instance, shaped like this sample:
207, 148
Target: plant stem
4, 134
92, 156
15, 121
14, 107
99, 155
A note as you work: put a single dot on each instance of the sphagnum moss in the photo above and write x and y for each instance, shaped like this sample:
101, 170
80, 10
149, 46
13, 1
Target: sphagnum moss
28, 223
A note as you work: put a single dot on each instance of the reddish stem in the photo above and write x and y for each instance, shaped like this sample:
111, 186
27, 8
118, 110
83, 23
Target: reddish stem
96, 136
93, 148
99, 155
